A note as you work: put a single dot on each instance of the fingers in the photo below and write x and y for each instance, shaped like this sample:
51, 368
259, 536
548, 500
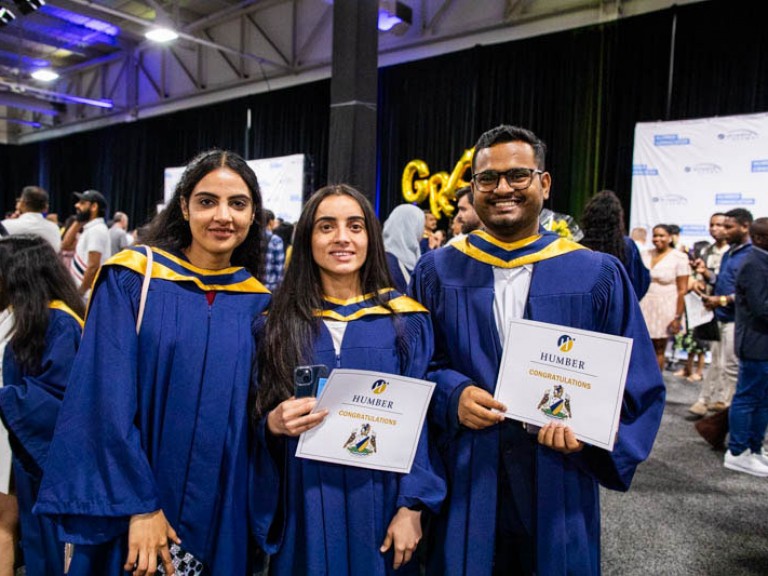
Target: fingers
476, 408
559, 438
172, 535
165, 555
403, 553
304, 423
292, 417
130, 560
387, 542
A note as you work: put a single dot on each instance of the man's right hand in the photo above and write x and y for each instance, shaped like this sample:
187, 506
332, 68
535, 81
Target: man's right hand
476, 409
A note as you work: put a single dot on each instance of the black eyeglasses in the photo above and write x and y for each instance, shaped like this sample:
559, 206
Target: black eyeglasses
517, 179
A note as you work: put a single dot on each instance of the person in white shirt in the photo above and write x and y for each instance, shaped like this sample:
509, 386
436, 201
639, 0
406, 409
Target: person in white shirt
92, 247
31, 205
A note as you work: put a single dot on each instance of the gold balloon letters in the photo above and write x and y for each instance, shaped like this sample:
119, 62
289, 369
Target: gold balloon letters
440, 187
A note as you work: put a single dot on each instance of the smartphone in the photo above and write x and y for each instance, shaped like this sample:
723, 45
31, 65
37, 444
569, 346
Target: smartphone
308, 381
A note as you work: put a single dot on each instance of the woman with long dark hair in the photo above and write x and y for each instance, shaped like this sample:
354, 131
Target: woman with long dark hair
336, 307
150, 455
45, 310
603, 226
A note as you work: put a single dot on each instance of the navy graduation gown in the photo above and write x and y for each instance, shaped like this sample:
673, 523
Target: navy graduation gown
581, 289
159, 420
29, 405
329, 519
639, 275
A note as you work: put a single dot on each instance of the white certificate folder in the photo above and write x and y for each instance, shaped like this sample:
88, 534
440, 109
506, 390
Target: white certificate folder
552, 373
374, 420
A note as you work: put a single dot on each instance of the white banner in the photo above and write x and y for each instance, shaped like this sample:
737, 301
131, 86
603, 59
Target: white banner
685, 171
281, 180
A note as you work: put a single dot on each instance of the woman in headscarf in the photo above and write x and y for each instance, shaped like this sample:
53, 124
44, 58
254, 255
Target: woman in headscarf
402, 233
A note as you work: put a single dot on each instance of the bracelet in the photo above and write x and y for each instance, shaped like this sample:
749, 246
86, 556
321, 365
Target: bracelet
723, 300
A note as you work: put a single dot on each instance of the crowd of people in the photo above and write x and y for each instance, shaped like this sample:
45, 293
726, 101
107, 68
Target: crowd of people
158, 434
714, 277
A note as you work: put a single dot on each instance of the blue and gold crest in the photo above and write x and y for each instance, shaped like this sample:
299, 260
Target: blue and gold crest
556, 403
362, 442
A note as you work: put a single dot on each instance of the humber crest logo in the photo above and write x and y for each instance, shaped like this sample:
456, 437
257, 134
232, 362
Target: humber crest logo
379, 386
362, 441
565, 343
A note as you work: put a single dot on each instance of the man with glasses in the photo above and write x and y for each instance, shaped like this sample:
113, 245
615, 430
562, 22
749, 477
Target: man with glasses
524, 501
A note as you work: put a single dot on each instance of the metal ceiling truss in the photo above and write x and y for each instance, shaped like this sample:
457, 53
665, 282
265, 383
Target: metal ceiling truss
245, 47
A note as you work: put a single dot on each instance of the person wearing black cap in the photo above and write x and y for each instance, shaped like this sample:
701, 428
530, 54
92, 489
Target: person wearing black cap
92, 246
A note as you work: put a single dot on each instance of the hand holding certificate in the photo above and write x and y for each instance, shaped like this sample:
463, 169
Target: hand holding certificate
553, 373
374, 420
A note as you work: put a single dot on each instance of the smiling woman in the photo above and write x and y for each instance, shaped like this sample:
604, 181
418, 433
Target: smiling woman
336, 307
166, 469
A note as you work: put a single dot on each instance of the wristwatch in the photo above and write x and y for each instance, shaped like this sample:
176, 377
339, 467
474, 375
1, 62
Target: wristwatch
723, 300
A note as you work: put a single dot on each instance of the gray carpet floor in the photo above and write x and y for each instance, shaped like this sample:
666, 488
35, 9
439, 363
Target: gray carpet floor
685, 513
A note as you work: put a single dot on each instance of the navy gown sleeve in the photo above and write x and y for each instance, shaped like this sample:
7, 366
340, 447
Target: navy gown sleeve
644, 393
443, 411
425, 484
264, 493
639, 275
97, 475
29, 404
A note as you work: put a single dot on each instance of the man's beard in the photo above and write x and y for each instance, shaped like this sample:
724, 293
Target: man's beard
82, 216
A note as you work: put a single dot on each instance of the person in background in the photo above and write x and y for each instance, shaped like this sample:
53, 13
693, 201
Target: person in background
402, 232
708, 259
274, 261
159, 390
89, 239
430, 225
46, 313
748, 415
118, 233
663, 305
466, 215
639, 236
603, 226
31, 206
454, 228
285, 231
439, 238
724, 369
336, 307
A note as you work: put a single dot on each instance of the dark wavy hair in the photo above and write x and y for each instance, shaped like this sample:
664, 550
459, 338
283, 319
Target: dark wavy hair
291, 325
507, 133
603, 225
171, 232
31, 275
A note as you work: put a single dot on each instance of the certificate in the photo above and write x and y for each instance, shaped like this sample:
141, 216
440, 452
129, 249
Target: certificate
695, 313
374, 420
552, 373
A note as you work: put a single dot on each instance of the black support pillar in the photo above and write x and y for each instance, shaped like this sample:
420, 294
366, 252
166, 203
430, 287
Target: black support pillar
352, 146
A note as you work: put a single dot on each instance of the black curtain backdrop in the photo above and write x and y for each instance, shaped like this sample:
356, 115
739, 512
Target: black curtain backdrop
581, 90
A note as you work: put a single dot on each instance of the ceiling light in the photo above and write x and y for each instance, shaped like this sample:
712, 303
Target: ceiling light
44, 75
394, 16
28, 6
161, 35
6, 16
